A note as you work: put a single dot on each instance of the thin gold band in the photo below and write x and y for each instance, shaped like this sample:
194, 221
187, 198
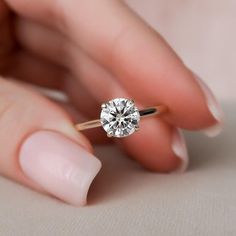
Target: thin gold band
151, 111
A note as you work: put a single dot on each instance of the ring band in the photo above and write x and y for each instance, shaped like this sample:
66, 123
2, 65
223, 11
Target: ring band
151, 111
120, 117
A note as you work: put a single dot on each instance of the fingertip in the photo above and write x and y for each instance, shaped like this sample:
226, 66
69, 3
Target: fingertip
214, 108
42, 149
152, 147
59, 165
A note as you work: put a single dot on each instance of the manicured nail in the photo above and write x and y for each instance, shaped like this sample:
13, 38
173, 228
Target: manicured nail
213, 107
60, 166
180, 149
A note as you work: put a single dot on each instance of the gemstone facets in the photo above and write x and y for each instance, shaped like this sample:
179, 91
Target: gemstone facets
119, 117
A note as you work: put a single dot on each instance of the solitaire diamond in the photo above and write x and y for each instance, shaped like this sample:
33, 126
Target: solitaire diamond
120, 117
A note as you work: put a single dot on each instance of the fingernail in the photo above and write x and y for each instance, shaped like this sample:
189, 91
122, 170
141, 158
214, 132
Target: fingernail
60, 166
213, 107
180, 149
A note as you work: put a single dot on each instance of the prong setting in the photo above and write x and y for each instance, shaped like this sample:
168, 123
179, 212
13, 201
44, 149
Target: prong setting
103, 106
120, 117
109, 135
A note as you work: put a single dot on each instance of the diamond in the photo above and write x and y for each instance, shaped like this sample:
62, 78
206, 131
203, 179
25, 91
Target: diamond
120, 117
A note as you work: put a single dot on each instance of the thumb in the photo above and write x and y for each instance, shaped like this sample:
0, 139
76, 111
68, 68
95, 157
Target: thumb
40, 148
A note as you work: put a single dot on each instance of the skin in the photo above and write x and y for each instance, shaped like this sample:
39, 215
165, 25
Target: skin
93, 51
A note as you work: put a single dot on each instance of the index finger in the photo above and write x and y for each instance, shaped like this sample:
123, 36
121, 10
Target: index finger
142, 61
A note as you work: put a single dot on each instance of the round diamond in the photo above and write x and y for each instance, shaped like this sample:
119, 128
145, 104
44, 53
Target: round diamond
120, 117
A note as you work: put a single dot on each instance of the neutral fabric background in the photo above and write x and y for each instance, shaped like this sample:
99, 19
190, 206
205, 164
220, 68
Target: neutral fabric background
127, 200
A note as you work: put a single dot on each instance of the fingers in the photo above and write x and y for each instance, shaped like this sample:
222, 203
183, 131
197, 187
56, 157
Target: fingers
157, 146
29, 68
32, 69
44, 41
40, 148
153, 146
136, 54
89, 76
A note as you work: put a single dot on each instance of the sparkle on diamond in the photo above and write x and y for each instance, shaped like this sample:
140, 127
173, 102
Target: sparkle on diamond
120, 117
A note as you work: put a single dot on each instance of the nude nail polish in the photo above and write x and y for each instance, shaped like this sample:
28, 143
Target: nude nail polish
180, 149
213, 107
59, 165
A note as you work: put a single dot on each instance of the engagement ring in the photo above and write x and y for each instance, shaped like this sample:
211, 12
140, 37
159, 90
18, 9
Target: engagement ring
120, 117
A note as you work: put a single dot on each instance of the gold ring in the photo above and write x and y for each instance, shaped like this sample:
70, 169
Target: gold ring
120, 117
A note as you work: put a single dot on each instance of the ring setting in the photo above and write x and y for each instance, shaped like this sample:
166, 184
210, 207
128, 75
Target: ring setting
120, 117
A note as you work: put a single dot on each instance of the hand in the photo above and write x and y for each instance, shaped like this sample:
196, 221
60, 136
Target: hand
94, 51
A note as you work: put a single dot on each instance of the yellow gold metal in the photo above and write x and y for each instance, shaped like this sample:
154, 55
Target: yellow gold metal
151, 111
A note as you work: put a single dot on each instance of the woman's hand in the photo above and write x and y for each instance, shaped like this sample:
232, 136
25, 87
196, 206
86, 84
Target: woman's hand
93, 50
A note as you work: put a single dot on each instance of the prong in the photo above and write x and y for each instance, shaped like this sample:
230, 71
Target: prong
136, 128
109, 135
103, 105
132, 101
